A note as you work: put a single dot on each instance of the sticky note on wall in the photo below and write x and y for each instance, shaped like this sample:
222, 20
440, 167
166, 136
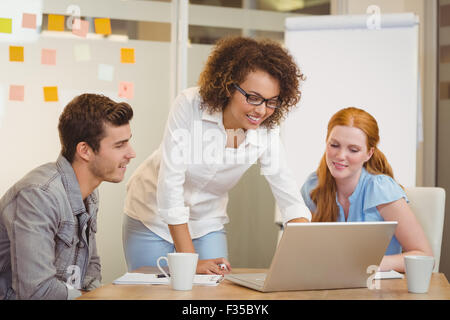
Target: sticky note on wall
102, 25
82, 52
55, 22
80, 27
5, 25
16, 54
16, 92
29, 20
127, 55
48, 56
105, 72
126, 90
50, 94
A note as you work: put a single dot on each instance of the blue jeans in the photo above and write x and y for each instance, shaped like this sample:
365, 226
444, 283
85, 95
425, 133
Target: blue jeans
142, 247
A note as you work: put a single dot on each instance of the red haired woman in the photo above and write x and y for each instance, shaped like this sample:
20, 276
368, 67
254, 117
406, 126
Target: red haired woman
354, 182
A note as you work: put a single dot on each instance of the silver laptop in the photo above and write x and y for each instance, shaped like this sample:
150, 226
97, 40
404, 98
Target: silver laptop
322, 255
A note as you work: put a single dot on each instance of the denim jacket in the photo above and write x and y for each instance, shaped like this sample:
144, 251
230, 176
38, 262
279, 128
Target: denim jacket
47, 236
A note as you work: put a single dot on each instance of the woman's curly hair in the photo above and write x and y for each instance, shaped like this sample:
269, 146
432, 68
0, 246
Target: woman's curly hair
233, 58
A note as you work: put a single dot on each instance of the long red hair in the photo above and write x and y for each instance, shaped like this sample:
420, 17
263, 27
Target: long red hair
324, 195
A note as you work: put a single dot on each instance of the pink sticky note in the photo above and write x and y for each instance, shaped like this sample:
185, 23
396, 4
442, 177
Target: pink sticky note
29, 20
126, 90
80, 27
48, 57
16, 93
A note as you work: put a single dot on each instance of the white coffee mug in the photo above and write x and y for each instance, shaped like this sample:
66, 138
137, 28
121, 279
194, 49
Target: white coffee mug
418, 273
182, 267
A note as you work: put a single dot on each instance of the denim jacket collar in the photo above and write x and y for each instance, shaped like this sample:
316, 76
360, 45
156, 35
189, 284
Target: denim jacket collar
72, 187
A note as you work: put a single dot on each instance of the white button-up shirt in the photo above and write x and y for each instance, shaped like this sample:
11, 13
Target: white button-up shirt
187, 179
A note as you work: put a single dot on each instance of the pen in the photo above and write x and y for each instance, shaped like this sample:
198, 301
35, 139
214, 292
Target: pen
162, 275
222, 266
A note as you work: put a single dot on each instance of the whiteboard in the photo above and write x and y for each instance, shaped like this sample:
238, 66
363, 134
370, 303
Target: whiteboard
347, 64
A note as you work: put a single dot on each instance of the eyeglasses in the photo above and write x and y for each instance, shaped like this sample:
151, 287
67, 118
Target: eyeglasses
256, 100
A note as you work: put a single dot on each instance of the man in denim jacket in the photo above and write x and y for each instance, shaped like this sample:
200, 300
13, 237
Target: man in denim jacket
48, 219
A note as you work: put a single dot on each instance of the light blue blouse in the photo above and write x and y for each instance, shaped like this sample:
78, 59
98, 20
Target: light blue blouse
371, 191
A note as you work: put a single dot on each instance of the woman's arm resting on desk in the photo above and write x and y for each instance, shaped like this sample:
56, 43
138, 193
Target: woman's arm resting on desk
408, 232
183, 243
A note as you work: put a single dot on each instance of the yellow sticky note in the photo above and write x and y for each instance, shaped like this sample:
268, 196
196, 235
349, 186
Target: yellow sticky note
55, 22
127, 55
50, 94
5, 25
15, 53
102, 25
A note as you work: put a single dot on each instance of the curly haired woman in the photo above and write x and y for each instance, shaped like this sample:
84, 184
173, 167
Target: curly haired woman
177, 198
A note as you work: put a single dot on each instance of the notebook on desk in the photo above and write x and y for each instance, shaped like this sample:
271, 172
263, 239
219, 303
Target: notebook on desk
330, 255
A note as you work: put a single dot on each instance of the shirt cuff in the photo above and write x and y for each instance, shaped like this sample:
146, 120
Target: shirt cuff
295, 211
178, 215
93, 285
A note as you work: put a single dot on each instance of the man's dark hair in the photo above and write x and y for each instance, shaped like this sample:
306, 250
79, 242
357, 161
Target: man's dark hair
84, 118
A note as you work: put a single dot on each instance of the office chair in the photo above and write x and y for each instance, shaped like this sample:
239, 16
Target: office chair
428, 205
